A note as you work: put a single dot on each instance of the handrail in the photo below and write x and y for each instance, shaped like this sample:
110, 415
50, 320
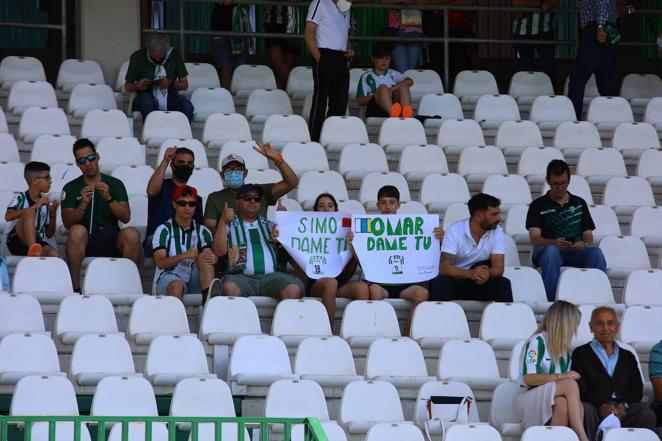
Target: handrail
313, 430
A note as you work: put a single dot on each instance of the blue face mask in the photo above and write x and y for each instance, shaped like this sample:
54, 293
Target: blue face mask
234, 178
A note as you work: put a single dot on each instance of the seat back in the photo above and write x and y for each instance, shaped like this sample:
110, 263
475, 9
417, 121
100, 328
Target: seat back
74, 71
373, 181
176, 354
324, 356
534, 160
282, 128
107, 353
484, 159
26, 94
248, 77
236, 315
510, 189
43, 275
259, 354
43, 395
507, 320
582, 134
642, 288
199, 397
394, 432
343, 130
443, 388
641, 323
157, 314
20, 313
369, 318
526, 284
222, 127
85, 314
134, 178
295, 399
99, 123
401, 131
300, 317
371, 401
37, 121
609, 109
463, 132
518, 134
28, 353
268, 102
475, 83
467, 358
17, 68
201, 75
439, 319
556, 108
124, 396
395, 357
496, 108
303, 157
584, 286
161, 124
530, 84
629, 136
625, 252
445, 105
600, 162
109, 275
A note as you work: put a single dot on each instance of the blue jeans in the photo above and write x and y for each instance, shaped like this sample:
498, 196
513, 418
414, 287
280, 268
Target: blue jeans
145, 103
409, 55
551, 259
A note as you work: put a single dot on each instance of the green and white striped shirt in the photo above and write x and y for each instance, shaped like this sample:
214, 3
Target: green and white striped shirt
534, 23
537, 359
21, 201
172, 238
250, 249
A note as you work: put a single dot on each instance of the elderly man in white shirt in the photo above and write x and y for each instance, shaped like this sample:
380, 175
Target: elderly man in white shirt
472, 256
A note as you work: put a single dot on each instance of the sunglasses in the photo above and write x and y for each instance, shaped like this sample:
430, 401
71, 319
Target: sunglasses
89, 158
191, 204
251, 198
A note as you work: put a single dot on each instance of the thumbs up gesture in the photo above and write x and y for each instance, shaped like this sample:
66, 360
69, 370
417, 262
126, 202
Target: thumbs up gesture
228, 215
280, 206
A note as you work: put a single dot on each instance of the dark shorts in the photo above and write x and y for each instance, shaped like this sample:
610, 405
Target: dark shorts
274, 28
18, 248
373, 110
103, 243
394, 291
309, 285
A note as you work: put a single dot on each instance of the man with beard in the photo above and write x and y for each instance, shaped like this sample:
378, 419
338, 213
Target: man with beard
160, 189
561, 229
473, 255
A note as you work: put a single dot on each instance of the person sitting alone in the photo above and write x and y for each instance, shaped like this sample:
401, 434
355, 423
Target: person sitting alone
182, 249
31, 216
385, 92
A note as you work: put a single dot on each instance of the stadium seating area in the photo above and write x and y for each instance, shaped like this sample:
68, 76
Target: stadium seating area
361, 378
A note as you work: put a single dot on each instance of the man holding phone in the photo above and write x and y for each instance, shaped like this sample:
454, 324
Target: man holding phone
561, 229
156, 74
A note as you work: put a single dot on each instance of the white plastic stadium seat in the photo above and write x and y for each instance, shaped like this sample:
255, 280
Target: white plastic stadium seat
117, 279
642, 288
312, 184
419, 161
99, 124
373, 181
26, 94
222, 127
572, 137
513, 137
441, 388
196, 397
37, 121
394, 432
653, 113
433, 323
338, 131
650, 166
533, 161
73, 72
96, 356
152, 316
471, 361
437, 201
253, 159
200, 75
303, 157
8, 148
20, 313
606, 112
366, 403
199, 152
326, 360
280, 130
207, 101
300, 82
510, 189
171, 358
629, 434
124, 396
638, 89
258, 360
515, 225
23, 354
525, 87
355, 74
82, 315
583, 286
443, 106
119, 79
527, 287
397, 133
86, 97
462, 432
599, 165
578, 186
455, 212
605, 220
225, 319
295, 399
425, 81
477, 163
590, 90
641, 327
470, 85
161, 125
45, 278
550, 111
125, 151
631, 139
455, 135
249, 77
503, 414
265, 102
53, 149
624, 254
296, 319
11, 177
626, 194
357, 160
584, 334
13, 69
44, 395
504, 324
492, 110
121, 144
135, 178
397, 360
645, 225
365, 321
549, 433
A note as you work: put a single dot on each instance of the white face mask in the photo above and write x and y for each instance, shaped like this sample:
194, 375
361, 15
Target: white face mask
343, 5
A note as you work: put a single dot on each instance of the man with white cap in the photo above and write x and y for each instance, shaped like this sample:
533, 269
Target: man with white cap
234, 172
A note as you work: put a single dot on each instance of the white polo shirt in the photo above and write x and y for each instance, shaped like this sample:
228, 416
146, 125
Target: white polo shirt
458, 241
332, 25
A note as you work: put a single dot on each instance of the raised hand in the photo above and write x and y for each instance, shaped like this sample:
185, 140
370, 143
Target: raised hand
228, 215
280, 206
266, 150
169, 154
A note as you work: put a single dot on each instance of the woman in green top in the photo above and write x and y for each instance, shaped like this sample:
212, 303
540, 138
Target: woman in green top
552, 397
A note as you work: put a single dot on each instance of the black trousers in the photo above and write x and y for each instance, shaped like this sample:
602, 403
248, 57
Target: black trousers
592, 58
331, 77
526, 54
446, 288
638, 415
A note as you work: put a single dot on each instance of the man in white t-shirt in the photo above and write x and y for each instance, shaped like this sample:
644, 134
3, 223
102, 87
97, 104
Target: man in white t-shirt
325, 34
473, 255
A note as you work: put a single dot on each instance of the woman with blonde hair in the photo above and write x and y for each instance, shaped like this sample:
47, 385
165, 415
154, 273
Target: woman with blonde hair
552, 397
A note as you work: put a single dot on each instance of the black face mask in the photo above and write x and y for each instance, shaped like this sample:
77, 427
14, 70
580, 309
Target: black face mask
182, 172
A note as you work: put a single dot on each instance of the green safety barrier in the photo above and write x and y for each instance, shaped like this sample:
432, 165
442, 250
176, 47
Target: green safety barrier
313, 430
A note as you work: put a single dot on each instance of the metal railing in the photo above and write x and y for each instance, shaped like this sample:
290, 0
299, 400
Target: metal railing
313, 430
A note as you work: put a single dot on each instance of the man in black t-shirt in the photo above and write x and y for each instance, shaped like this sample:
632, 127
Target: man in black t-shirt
561, 230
